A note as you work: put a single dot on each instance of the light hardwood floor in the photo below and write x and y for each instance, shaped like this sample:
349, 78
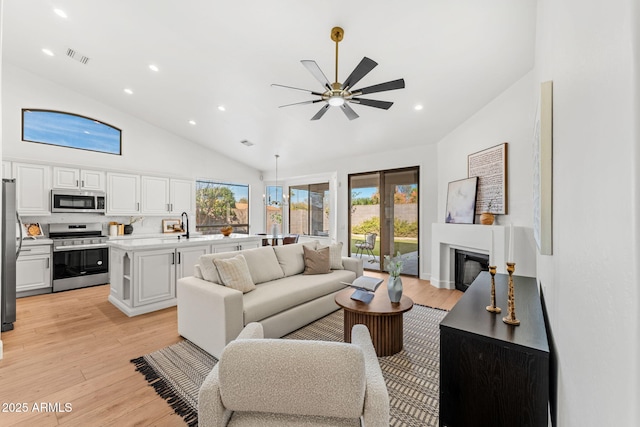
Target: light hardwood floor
75, 348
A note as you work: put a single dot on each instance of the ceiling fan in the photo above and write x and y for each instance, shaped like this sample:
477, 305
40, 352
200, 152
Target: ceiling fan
341, 94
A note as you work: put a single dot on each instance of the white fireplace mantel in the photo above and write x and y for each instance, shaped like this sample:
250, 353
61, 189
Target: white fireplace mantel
446, 238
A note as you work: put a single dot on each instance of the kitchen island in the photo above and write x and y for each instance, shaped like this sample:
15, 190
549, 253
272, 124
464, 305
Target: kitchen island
144, 271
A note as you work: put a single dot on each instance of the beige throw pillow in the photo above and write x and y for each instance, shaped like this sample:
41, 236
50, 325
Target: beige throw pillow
234, 273
335, 256
316, 262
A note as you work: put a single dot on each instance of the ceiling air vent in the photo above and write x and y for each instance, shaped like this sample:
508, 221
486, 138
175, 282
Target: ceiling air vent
247, 143
73, 54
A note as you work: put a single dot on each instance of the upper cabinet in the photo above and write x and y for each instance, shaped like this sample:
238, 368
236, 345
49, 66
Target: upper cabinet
164, 196
182, 196
78, 179
33, 188
155, 195
123, 194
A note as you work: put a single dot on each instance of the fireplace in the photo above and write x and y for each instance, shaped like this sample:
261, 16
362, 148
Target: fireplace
467, 267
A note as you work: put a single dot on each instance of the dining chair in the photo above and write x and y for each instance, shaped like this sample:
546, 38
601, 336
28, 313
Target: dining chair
265, 242
290, 239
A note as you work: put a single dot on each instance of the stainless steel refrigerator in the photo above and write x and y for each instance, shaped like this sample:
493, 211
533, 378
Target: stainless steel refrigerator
11, 238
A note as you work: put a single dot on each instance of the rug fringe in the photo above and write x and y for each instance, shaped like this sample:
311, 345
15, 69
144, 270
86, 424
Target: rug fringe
428, 306
164, 390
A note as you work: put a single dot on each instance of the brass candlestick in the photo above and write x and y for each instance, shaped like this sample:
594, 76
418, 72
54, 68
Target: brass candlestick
492, 308
511, 319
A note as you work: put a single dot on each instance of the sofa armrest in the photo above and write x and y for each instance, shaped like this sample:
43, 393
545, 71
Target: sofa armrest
252, 331
211, 410
353, 264
376, 398
209, 315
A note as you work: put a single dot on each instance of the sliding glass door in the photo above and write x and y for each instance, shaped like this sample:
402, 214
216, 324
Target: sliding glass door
385, 204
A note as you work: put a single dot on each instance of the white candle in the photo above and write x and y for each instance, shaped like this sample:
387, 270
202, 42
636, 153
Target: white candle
510, 243
492, 255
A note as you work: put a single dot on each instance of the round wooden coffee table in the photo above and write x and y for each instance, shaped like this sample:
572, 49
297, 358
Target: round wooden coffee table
383, 319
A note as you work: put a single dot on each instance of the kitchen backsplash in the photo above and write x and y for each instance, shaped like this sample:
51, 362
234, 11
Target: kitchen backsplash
149, 225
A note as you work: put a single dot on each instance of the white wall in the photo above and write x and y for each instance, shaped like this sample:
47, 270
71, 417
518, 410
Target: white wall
1, 7
146, 149
508, 118
591, 280
338, 170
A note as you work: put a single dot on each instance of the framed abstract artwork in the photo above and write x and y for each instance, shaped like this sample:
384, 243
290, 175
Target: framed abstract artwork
543, 171
461, 201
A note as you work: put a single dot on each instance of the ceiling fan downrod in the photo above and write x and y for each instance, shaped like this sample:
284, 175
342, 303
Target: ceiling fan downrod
337, 34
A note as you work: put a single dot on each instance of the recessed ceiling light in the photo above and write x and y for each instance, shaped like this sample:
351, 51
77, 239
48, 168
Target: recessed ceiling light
192, 122
418, 107
128, 91
154, 68
47, 52
60, 13
222, 108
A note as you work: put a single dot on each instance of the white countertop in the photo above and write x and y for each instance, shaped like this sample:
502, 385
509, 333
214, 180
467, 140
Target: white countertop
173, 241
38, 241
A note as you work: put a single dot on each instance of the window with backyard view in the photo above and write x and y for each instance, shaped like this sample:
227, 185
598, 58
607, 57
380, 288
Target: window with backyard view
219, 205
309, 209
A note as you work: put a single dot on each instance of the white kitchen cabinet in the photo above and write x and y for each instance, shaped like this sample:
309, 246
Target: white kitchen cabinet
33, 188
236, 245
33, 268
155, 195
144, 272
123, 194
182, 196
154, 276
188, 258
161, 196
78, 179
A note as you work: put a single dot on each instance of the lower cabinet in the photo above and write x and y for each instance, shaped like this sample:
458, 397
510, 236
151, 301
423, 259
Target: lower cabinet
33, 270
144, 279
154, 275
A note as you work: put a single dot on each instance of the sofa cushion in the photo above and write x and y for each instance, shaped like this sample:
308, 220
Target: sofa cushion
263, 264
279, 295
291, 257
234, 273
316, 261
262, 376
335, 256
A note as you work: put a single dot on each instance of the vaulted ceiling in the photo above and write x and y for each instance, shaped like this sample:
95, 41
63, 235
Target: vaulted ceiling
455, 57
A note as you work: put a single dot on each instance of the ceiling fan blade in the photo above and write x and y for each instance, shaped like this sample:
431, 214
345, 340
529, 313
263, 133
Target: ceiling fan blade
317, 72
348, 111
392, 85
361, 70
301, 103
385, 105
321, 112
297, 88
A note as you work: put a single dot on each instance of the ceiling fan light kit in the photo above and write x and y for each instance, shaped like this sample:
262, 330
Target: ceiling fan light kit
338, 94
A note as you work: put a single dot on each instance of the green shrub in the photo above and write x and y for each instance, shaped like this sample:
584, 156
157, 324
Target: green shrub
401, 227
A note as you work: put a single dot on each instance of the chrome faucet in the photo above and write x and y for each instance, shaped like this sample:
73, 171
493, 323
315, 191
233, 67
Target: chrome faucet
185, 215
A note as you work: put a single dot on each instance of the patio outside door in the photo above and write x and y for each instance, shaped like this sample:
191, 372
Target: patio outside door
385, 203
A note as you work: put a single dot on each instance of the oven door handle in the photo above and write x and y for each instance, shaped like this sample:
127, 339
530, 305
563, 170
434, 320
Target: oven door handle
78, 247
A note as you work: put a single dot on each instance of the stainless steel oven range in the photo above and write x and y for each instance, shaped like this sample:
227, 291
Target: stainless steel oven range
80, 256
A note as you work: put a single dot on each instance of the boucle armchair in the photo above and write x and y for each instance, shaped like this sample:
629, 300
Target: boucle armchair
280, 382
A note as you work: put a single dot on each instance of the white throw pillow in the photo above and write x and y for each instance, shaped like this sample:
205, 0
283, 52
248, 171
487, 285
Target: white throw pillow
335, 256
263, 264
234, 273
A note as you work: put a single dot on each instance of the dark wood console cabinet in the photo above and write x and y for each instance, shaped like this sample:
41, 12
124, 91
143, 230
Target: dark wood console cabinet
491, 373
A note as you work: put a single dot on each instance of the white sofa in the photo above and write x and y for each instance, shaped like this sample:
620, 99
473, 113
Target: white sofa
211, 315
262, 382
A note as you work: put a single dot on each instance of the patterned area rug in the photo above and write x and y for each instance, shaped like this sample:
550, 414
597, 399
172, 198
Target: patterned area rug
412, 376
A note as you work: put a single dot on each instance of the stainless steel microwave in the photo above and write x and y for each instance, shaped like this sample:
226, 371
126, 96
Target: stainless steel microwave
78, 201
